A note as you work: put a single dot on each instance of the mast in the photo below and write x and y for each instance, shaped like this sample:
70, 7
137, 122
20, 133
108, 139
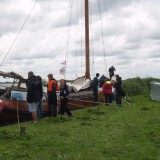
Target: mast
87, 74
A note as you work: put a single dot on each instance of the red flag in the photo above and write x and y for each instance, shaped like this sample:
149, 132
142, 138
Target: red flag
62, 71
64, 63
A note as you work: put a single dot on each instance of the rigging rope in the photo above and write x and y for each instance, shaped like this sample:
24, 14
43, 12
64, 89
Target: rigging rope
18, 34
81, 33
77, 42
68, 35
92, 43
102, 36
109, 33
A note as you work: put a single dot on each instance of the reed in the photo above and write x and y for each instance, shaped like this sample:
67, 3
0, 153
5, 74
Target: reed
138, 86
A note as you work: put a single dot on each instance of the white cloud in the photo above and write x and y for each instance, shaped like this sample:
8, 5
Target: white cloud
130, 30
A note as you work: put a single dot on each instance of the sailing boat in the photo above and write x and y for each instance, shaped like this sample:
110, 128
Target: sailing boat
9, 107
83, 96
83, 82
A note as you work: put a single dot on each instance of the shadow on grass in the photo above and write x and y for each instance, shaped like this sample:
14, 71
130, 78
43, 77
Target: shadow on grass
145, 108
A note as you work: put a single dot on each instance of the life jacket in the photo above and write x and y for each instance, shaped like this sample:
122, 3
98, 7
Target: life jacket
52, 86
107, 87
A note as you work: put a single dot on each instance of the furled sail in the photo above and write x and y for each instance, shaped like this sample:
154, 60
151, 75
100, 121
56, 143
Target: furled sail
81, 83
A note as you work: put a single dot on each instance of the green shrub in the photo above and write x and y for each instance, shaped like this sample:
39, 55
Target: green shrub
137, 86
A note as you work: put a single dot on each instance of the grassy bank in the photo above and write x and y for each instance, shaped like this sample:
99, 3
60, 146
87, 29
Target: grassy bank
126, 133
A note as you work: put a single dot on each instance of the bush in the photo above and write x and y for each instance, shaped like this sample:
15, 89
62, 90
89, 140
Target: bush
137, 86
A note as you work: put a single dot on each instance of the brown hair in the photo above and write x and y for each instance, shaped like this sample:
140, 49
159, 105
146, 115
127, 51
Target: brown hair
50, 75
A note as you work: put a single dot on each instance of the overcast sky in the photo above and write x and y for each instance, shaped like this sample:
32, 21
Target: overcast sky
130, 41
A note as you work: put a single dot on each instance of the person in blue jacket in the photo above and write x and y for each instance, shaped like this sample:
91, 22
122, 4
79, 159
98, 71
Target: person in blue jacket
64, 93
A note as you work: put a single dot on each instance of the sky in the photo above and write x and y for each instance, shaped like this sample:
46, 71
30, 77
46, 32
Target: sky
123, 33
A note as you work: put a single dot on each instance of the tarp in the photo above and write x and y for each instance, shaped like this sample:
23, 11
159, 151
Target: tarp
81, 83
19, 95
155, 91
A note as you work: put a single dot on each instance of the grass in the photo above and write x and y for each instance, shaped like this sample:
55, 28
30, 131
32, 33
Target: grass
126, 133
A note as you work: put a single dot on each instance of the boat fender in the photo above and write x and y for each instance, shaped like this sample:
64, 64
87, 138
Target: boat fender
1, 105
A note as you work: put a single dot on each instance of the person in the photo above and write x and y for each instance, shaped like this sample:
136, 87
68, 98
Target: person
33, 94
95, 87
107, 91
111, 72
102, 80
64, 93
52, 87
39, 108
118, 90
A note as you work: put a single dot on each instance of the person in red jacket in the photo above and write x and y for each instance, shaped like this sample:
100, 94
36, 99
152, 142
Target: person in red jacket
107, 91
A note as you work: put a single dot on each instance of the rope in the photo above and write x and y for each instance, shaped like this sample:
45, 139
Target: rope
68, 34
102, 36
77, 42
81, 33
112, 54
92, 48
18, 34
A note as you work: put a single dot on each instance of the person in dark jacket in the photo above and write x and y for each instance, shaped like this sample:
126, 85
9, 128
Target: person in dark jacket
33, 94
102, 80
52, 87
64, 93
95, 87
39, 109
118, 90
111, 72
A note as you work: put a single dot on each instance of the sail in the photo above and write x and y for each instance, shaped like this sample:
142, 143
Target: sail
81, 83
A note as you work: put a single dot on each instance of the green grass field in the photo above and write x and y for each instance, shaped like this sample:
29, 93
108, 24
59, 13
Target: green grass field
131, 132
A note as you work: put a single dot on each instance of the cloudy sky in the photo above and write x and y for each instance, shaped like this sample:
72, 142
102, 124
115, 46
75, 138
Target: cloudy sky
123, 33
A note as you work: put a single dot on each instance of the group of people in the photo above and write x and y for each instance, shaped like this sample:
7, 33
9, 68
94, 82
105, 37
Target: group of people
35, 96
35, 93
107, 85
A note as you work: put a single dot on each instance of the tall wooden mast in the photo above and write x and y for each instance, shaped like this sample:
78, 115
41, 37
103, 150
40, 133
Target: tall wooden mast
87, 39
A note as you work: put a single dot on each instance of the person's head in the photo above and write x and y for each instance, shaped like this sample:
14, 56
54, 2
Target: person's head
97, 74
107, 79
39, 78
50, 76
117, 76
62, 82
30, 74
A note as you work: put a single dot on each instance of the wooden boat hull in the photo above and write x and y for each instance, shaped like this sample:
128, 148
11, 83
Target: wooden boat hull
9, 108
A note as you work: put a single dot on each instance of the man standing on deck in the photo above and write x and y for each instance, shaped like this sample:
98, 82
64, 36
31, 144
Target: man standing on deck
111, 71
33, 94
52, 87
95, 87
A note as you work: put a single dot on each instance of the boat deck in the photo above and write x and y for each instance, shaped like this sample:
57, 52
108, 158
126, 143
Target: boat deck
81, 95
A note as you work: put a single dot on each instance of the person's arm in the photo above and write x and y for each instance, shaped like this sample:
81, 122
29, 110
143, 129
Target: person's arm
67, 91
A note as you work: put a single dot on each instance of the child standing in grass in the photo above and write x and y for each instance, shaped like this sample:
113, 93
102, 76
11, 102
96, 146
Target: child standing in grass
64, 93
